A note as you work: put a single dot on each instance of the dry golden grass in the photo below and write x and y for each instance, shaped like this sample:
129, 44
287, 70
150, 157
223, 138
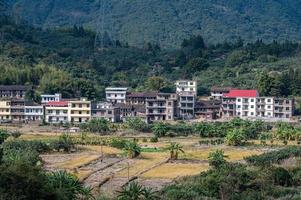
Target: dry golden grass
234, 154
275, 142
105, 149
78, 161
82, 174
38, 136
146, 161
174, 170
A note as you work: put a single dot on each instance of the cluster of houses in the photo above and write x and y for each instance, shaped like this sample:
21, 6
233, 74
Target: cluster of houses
150, 106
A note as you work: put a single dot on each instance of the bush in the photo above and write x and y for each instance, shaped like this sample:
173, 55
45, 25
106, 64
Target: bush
64, 142
3, 135
97, 126
16, 134
154, 139
217, 158
160, 129
37, 145
235, 137
144, 140
137, 124
118, 143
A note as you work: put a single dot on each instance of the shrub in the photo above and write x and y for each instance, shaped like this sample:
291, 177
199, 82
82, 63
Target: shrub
137, 124
64, 142
160, 129
235, 137
117, 143
36, 145
3, 135
217, 158
97, 126
144, 140
16, 134
132, 149
154, 139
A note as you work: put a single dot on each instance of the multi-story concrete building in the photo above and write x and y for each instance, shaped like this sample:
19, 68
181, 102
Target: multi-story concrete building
140, 97
248, 104
116, 95
17, 109
106, 110
33, 111
283, 108
186, 86
79, 110
239, 103
51, 97
5, 112
207, 109
13, 91
56, 112
163, 108
186, 105
218, 92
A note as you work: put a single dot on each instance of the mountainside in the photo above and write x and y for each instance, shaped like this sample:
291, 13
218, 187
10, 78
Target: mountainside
168, 22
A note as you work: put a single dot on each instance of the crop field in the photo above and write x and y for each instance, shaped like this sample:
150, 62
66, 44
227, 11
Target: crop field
107, 169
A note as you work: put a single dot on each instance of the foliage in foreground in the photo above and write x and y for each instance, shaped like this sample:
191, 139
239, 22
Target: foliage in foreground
134, 191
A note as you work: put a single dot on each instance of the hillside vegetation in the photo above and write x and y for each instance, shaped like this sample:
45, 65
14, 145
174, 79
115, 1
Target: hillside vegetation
65, 61
170, 21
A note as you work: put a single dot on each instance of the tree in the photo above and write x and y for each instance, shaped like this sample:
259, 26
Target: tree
160, 129
217, 158
195, 65
64, 142
132, 149
155, 83
235, 137
174, 149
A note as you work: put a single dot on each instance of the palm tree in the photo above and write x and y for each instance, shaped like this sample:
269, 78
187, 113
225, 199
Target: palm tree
132, 149
132, 191
67, 186
174, 149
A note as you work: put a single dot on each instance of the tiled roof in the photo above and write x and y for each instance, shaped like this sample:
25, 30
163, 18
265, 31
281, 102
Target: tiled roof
57, 103
143, 94
242, 93
221, 89
14, 87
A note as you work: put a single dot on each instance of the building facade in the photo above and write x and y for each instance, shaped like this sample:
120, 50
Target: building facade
186, 86
208, 109
79, 110
13, 91
33, 112
186, 105
45, 98
56, 112
5, 110
116, 95
163, 108
106, 110
218, 92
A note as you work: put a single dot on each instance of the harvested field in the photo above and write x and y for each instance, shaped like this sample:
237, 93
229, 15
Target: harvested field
175, 170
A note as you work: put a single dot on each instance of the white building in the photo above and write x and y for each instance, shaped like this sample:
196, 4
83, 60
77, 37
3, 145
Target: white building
33, 111
56, 112
186, 86
51, 97
116, 95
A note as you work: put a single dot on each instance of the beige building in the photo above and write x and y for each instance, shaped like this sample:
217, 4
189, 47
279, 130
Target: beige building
186, 86
79, 110
5, 112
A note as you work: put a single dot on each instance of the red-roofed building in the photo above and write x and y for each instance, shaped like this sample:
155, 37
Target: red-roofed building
240, 103
56, 112
242, 93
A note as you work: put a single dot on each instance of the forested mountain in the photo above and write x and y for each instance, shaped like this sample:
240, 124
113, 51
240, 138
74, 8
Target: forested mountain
168, 22
65, 60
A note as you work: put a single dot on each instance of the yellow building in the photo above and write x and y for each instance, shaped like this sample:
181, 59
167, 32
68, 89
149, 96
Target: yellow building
79, 110
5, 111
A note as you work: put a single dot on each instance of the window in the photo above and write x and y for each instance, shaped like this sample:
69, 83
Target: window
287, 108
287, 101
238, 106
65, 111
269, 107
252, 100
269, 100
80, 105
252, 106
252, 113
239, 100
80, 112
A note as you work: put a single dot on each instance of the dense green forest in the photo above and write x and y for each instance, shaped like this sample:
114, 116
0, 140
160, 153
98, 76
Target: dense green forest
66, 61
171, 21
